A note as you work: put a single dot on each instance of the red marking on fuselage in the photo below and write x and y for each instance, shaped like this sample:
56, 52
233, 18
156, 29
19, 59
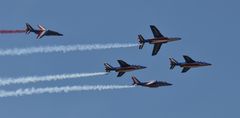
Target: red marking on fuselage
125, 69
191, 65
158, 40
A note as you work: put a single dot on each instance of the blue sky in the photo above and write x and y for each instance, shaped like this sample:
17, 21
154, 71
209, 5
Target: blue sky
209, 30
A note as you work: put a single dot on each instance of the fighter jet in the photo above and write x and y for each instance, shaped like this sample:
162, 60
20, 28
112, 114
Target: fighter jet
124, 67
41, 32
150, 84
188, 64
158, 40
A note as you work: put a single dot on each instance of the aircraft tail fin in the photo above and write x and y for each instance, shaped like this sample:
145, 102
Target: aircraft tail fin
108, 67
135, 81
173, 63
29, 28
141, 41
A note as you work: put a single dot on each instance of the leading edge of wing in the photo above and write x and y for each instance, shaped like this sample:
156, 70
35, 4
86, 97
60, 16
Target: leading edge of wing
188, 59
123, 63
155, 31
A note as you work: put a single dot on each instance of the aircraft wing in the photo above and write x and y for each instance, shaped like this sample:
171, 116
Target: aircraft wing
120, 74
156, 48
156, 32
151, 82
185, 69
41, 34
41, 28
123, 63
188, 59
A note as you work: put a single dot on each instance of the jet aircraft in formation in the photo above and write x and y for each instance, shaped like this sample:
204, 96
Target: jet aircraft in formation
124, 67
150, 84
157, 41
188, 64
41, 31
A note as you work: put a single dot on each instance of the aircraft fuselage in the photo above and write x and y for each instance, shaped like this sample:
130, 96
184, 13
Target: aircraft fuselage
47, 32
37, 31
154, 84
193, 65
161, 40
188, 64
127, 69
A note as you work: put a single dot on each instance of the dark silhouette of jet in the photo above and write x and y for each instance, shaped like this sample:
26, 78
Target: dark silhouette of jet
150, 84
41, 32
158, 40
188, 64
124, 67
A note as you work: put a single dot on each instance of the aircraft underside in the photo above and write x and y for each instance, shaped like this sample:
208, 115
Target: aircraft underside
158, 41
191, 65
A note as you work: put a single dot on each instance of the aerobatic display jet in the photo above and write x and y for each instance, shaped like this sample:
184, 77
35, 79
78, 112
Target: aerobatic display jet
188, 64
124, 67
157, 41
150, 84
41, 31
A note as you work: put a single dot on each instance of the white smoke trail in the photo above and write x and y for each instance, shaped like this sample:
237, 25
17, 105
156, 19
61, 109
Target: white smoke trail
62, 48
30, 91
33, 79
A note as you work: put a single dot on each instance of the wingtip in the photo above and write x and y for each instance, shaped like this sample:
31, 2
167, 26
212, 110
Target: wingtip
183, 72
120, 60
154, 54
185, 55
152, 25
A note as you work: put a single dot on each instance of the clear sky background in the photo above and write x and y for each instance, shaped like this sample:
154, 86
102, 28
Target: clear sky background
209, 30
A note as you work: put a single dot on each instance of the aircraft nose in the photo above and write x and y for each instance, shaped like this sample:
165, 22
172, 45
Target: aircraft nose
143, 67
178, 38
208, 64
174, 39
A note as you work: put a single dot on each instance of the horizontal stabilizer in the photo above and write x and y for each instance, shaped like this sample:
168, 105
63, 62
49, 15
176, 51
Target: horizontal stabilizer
173, 63
108, 67
29, 28
135, 81
141, 41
